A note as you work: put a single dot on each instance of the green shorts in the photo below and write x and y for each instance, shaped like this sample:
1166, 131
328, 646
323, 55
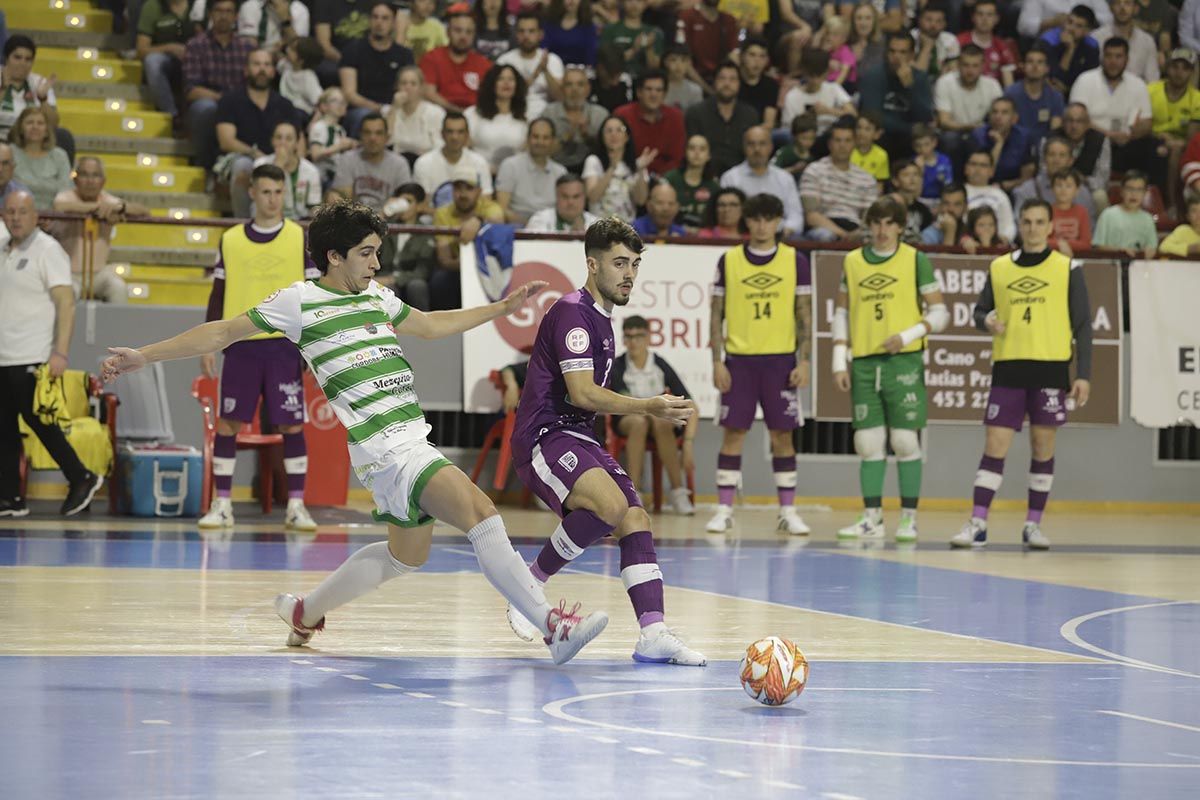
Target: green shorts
888, 391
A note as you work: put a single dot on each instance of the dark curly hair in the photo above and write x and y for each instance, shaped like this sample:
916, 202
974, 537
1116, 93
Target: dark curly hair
340, 227
606, 233
710, 210
485, 102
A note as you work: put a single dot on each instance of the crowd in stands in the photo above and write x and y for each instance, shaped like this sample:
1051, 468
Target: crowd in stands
668, 113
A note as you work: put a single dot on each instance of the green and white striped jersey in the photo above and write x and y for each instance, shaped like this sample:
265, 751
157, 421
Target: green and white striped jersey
349, 342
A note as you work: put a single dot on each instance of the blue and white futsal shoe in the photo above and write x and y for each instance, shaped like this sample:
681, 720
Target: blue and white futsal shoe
973, 534
658, 644
1033, 538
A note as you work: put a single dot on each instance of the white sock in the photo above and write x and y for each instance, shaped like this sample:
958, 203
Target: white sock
507, 571
360, 573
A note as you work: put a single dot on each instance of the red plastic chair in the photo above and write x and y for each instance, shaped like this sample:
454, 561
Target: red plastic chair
499, 435
251, 437
616, 445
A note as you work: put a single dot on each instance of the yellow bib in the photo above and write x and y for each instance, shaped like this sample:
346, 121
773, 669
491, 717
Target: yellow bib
1033, 304
883, 300
760, 303
253, 271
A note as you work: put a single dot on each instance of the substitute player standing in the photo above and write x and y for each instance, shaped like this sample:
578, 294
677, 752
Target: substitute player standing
1034, 303
346, 327
559, 460
761, 309
879, 320
253, 260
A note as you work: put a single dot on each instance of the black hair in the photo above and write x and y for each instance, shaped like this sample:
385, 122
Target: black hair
485, 101
1039, 47
649, 75
728, 65
340, 227
309, 52
755, 41
763, 206
1135, 175
953, 188
710, 210
814, 62
288, 122
600, 151
568, 177
557, 10
979, 212
886, 208
971, 49
933, 5
635, 323
268, 171
872, 116
19, 40
533, 15
1031, 203
991, 158
1117, 43
371, 116
993, 3
804, 122
1005, 99
605, 234
451, 115
415, 189
544, 121
904, 36
1065, 174
846, 122
379, 3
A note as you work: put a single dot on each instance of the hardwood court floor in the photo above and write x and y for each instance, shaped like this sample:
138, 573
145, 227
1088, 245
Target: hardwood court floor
139, 660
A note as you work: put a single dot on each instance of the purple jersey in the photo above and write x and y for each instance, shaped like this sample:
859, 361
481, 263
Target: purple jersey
575, 335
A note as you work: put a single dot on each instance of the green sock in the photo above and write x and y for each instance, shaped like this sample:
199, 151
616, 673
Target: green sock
870, 480
910, 478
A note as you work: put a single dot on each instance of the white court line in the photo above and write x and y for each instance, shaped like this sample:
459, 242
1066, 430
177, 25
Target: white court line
155, 722
1070, 632
1151, 720
646, 751
527, 720
247, 757
141, 752
491, 711
688, 762
420, 695
356, 677
782, 784
555, 709
386, 686
453, 703
733, 773
327, 669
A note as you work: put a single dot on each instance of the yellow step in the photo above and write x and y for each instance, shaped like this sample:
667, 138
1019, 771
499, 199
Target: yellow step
142, 272
185, 213
137, 160
113, 105
167, 286
101, 70
41, 16
133, 125
154, 179
133, 234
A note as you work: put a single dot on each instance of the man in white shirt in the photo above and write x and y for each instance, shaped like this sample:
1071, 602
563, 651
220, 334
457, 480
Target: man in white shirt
1119, 104
434, 169
569, 212
961, 100
37, 314
526, 180
1143, 51
755, 175
541, 69
273, 23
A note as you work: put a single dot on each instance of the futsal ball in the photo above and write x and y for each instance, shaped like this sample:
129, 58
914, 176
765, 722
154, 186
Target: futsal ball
774, 671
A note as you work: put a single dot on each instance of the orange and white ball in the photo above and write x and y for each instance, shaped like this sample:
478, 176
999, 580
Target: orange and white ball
774, 671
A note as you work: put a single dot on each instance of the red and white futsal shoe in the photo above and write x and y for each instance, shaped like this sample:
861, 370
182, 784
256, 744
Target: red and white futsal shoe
569, 632
291, 610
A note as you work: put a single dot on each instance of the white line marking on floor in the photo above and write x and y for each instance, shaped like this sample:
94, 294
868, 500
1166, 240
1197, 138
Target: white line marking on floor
247, 757
687, 762
420, 695
733, 773
646, 751
527, 720
327, 669
1070, 632
301, 661
1184, 755
491, 711
155, 722
151, 752
839, 796
386, 686
1151, 720
782, 784
356, 677
605, 739
453, 703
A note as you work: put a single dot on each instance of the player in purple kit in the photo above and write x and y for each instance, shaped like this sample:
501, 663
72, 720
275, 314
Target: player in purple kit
253, 260
559, 459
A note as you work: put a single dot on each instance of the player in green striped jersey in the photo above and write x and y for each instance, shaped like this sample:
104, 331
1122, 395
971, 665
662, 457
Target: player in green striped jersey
346, 326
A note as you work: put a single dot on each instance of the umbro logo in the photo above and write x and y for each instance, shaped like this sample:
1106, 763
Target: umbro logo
877, 281
761, 281
1027, 285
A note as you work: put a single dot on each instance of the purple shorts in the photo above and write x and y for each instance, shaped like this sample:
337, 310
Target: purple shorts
1008, 405
761, 380
557, 461
271, 369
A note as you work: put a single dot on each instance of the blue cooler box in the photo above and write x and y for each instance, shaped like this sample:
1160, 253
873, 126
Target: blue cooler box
160, 480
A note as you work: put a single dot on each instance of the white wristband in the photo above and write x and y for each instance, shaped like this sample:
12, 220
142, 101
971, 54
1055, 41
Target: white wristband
909, 336
840, 362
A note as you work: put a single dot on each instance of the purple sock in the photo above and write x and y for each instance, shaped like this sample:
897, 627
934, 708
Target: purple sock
1041, 477
785, 479
577, 531
295, 463
224, 459
642, 577
729, 470
987, 482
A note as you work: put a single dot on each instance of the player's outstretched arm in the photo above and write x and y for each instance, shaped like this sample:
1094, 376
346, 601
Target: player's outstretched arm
439, 324
586, 394
206, 338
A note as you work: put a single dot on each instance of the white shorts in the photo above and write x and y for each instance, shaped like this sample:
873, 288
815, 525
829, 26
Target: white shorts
397, 481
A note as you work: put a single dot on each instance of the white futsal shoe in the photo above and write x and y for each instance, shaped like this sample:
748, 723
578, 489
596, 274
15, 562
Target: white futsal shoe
721, 521
1033, 538
867, 527
907, 532
658, 644
570, 632
290, 609
681, 502
973, 534
220, 514
791, 522
523, 628
298, 518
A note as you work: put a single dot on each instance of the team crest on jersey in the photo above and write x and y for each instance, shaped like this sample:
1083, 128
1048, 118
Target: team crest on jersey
860, 412
272, 295
761, 281
993, 410
372, 328
910, 399
907, 378
229, 404
569, 461
577, 340
1052, 402
1027, 285
877, 281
